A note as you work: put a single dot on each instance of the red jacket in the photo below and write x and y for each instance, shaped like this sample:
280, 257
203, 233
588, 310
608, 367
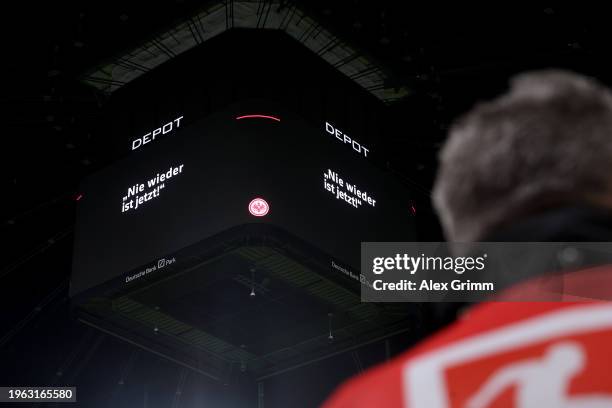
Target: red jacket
503, 354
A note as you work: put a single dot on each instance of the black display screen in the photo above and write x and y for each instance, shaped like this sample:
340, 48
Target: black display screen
195, 179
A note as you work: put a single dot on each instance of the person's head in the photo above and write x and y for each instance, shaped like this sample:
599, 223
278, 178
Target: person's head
546, 143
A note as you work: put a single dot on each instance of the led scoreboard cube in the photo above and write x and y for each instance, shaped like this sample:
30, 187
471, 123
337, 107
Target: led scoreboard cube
221, 230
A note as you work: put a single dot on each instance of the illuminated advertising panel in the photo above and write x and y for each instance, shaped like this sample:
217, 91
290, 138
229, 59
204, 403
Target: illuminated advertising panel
187, 180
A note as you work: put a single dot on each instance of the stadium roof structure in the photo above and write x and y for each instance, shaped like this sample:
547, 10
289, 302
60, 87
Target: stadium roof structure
253, 298
219, 17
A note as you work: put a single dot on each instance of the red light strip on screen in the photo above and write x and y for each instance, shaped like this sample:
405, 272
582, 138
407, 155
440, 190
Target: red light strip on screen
258, 117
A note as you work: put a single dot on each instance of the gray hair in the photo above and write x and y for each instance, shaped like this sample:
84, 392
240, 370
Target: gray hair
547, 142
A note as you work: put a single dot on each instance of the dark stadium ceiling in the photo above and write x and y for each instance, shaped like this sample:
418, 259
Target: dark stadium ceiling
221, 16
418, 51
386, 47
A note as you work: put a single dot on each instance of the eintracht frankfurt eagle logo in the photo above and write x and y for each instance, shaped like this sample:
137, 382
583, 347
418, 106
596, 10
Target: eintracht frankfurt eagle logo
259, 207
